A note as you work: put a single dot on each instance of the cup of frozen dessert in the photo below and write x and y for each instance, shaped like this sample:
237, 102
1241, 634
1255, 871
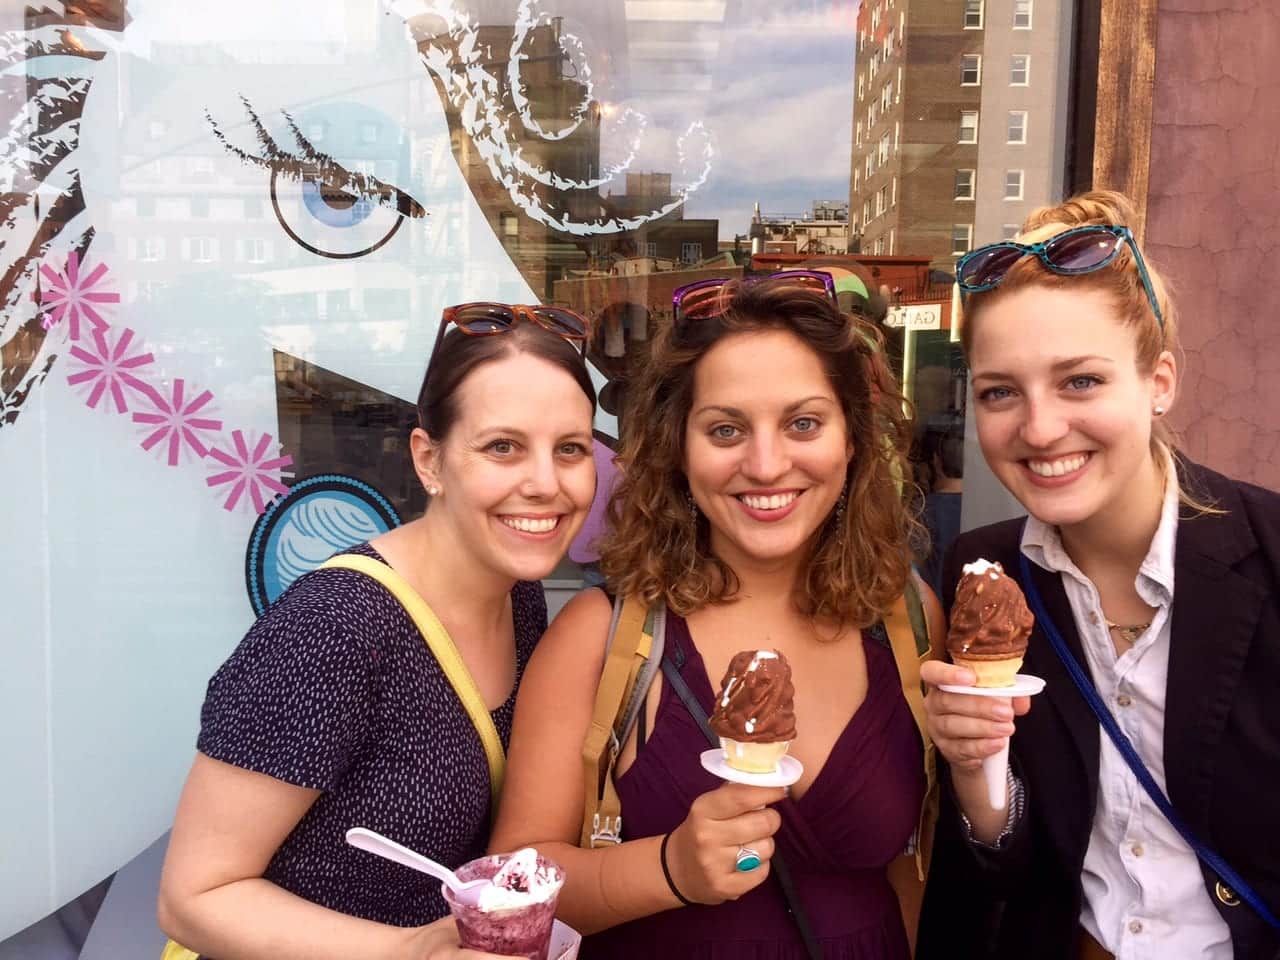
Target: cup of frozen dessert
515, 913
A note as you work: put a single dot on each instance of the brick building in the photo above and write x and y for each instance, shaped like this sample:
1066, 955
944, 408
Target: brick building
918, 93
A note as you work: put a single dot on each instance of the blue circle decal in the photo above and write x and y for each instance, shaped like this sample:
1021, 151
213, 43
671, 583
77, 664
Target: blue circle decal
319, 517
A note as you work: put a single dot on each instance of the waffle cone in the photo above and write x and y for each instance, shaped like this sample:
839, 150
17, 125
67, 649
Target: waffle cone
992, 673
753, 757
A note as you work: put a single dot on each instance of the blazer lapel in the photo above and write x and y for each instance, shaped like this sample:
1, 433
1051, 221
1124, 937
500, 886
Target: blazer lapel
1215, 616
1060, 691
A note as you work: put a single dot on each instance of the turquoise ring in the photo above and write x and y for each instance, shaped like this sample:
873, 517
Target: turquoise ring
748, 859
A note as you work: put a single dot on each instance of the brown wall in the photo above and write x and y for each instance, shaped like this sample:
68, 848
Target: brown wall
1213, 223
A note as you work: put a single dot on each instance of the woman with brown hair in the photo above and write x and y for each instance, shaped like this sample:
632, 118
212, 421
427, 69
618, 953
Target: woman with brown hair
334, 711
1137, 822
759, 502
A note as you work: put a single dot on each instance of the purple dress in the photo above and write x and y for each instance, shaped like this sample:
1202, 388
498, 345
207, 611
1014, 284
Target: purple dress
856, 816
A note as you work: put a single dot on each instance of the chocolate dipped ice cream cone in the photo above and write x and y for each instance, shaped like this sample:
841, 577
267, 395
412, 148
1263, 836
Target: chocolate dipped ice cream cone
990, 625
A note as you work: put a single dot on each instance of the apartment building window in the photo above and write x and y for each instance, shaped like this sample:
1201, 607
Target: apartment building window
649, 248
973, 14
1008, 231
871, 116
1022, 14
1020, 70
884, 149
1013, 184
965, 184
866, 211
153, 248
961, 239
897, 87
879, 246
969, 126
857, 134
870, 164
862, 89
1017, 126
893, 193
259, 250
970, 70
690, 252
882, 196
857, 179
892, 237
203, 249
873, 66
886, 96
897, 133
888, 43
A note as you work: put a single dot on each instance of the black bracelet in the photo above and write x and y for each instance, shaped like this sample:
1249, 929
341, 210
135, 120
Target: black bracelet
666, 872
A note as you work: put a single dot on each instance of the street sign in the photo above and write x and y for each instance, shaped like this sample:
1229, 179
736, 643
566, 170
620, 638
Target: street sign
923, 316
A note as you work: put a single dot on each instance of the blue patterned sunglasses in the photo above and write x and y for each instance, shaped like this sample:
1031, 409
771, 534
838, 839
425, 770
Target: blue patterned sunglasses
1071, 253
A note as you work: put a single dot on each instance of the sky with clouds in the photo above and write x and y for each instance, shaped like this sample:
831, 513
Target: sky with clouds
773, 81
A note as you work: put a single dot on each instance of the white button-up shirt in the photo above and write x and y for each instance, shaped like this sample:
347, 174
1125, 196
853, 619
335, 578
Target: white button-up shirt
1144, 895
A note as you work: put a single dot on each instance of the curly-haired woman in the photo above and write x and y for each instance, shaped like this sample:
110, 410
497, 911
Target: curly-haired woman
759, 502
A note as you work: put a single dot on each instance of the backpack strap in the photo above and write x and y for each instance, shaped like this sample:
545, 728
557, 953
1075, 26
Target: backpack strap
628, 669
908, 628
446, 654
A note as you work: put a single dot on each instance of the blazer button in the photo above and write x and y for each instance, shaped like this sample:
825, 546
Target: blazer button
1226, 896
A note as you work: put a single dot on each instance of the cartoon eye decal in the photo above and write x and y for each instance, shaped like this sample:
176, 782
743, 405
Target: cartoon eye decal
324, 207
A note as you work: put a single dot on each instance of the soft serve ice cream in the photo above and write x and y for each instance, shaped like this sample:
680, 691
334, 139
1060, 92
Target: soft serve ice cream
523, 879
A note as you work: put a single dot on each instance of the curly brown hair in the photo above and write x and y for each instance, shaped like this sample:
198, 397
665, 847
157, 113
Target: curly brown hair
656, 549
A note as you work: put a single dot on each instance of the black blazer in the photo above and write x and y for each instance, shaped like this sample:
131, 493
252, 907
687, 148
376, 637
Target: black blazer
1221, 744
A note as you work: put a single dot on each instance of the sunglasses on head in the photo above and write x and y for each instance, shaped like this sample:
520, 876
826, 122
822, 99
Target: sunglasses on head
484, 319
1071, 253
705, 299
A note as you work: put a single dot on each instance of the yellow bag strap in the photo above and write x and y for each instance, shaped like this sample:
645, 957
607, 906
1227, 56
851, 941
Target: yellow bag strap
909, 639
445, 652
176, 951
906, 651
631, 644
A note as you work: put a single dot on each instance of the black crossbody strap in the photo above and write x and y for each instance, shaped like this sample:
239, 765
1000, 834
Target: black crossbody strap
778, 863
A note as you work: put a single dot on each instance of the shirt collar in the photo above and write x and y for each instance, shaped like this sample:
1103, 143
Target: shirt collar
1042, 544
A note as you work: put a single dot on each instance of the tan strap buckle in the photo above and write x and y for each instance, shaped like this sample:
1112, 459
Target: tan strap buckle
610, 832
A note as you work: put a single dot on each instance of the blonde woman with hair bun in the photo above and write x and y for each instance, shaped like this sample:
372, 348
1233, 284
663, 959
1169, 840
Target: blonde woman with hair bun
1072, 342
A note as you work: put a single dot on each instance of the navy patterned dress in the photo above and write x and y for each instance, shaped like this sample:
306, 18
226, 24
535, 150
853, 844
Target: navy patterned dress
335, 689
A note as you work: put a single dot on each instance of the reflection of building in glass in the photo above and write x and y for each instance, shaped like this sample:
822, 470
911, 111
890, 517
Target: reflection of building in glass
671, 240
552, 93
916, 126
823, 230
1025, 92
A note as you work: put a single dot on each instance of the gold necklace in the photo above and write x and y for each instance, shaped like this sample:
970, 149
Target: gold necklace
1129, 633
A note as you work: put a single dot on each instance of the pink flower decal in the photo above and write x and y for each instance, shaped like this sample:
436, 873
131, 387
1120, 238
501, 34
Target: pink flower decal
71, 295
109, 367
177, 422
250, 470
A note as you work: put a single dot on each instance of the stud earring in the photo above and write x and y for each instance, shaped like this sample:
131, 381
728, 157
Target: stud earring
433, 491
1158, 410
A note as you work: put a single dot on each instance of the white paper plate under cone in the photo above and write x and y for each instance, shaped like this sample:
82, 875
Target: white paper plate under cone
564, 942
995, 768
788, 772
